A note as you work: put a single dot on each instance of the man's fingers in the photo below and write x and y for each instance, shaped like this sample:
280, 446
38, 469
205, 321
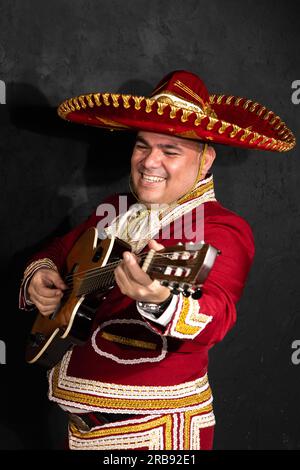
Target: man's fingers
47, 284
44, 310
135, 283
134, 271
46, 289
122, 280
52, 278
44, 301
48, 293
153, 245
47, 302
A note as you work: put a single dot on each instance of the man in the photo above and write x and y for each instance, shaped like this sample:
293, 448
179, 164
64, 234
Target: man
140, 382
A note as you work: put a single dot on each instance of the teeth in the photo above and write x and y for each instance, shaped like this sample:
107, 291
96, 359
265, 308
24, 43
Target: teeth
152, 178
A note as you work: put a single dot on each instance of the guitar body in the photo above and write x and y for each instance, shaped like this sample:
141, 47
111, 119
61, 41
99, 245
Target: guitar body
71, 324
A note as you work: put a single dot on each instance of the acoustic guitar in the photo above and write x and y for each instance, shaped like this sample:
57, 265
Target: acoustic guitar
90, 275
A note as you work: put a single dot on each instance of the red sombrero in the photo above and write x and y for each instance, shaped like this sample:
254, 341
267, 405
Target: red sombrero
180, 105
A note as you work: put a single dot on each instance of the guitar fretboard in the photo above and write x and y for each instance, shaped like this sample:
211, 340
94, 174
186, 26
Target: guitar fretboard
99, 281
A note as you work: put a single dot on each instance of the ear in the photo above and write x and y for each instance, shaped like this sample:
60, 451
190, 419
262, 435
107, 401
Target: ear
209, 157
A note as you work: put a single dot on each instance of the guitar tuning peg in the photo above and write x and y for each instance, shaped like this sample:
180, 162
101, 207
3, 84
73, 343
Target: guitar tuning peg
186, 289
186, 293
175, 288
175, 291
197, 294
164, 283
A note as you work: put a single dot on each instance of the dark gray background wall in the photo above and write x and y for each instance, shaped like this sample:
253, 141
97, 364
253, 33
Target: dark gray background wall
53, 174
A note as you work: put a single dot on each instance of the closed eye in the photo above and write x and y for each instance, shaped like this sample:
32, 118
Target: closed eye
172, 154
141, 146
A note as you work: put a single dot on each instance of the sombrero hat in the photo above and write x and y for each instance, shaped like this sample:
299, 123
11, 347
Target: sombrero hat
180, 105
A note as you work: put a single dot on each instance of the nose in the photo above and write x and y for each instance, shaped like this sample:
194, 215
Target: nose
152, 159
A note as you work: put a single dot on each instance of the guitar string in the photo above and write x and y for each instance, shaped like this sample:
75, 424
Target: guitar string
144, 255
107, 266
93, 282
98, 273
111, 269
89, 287
115, 263
107, 271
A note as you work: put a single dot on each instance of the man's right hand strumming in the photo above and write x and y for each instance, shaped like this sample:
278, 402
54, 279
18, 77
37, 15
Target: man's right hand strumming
45, 290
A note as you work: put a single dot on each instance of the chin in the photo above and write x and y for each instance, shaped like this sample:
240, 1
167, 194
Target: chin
149, 196
148, 200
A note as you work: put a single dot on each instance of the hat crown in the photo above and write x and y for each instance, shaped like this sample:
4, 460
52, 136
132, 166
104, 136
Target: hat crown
184, 85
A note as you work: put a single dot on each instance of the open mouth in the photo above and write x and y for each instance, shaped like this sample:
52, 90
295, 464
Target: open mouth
152, 179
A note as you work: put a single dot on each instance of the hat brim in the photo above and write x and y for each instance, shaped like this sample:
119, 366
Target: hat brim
232, 121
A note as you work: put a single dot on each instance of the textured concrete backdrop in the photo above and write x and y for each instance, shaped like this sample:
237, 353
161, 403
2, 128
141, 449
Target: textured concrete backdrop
53, 174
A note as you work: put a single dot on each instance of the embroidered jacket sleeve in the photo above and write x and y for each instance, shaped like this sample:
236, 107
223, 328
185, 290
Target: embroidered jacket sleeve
209, 318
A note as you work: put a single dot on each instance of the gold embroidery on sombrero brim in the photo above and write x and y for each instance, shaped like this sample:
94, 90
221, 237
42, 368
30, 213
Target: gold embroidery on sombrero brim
109, 122
285, 143
206, 122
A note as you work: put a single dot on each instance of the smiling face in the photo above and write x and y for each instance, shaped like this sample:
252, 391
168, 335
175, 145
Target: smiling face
163, 167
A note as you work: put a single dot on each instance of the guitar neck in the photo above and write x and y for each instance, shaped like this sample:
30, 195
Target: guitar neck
98, 279
188, 265
101, 278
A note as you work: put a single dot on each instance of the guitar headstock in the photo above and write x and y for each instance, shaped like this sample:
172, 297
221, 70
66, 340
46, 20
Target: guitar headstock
182, 267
